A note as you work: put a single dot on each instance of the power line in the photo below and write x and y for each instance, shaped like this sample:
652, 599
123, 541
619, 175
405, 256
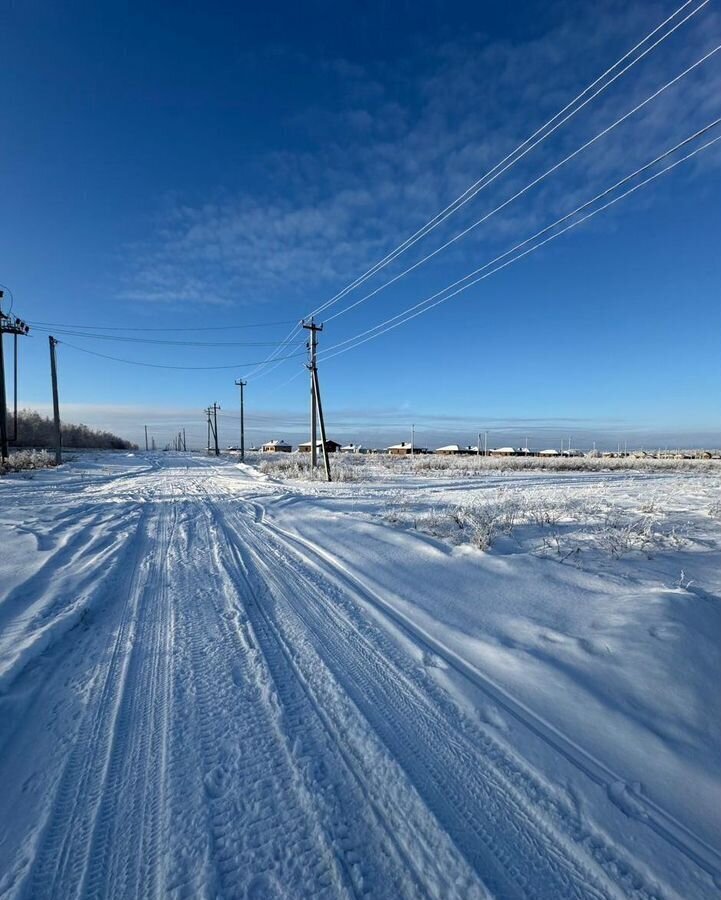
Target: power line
258, 372
530, 185
508, 161
133, 328
138, 340
425, 305
134, 362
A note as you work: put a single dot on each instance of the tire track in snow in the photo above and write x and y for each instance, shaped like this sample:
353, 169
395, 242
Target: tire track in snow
389, 844
665, 825
564, 858
54, 596
61, 856
260, 831
126, 843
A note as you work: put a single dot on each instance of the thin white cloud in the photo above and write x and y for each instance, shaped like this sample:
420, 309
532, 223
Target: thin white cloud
399, 140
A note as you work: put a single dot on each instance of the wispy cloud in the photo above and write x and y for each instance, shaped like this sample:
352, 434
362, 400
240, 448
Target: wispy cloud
395, 142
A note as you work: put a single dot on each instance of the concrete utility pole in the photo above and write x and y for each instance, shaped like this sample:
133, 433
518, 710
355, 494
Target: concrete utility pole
146, 438
413, 439
241, 384
215, 428
319, 406
8, 325
316, 409
4, 452
56, 402
478, 445
313, 352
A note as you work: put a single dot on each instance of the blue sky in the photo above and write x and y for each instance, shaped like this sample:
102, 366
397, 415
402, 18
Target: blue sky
171, 166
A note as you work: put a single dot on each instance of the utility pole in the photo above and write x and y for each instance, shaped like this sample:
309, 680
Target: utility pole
185, 446
56, 402
316, 408
319, 406
15, 388
241, 384
4, 452
9, 324
313, 351
478, 445
413, 439
485, 444
146, 438
207, 413
214, 426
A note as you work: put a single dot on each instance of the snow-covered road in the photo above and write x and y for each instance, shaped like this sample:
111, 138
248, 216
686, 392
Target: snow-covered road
198, 702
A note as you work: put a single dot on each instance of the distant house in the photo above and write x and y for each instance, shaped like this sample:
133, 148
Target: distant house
505, 451
454, 450
353, 448
550, 452
527, 451
571, 452
330, 446
405, 448
277, 447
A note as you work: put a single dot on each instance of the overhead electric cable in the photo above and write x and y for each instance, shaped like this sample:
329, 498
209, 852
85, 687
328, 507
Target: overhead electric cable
139, 340
528, 187
427, 304
143, 328
133, 362
526, 146
274, 358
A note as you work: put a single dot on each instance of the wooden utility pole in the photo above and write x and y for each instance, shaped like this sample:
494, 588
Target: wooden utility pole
313, 350
146, 438
319, 406
56, 402
241, 384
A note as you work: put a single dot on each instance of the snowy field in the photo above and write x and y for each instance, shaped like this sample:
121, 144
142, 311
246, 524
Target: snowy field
216, 682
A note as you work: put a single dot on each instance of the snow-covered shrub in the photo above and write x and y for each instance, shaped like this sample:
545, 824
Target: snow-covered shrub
26, 459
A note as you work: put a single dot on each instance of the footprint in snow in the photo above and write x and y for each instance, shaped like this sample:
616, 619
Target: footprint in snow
216, 781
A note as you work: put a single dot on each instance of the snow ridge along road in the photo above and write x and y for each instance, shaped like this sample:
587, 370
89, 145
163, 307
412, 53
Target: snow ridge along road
196, 703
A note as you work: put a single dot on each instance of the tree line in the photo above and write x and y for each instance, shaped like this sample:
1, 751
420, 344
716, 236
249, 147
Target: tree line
37, 431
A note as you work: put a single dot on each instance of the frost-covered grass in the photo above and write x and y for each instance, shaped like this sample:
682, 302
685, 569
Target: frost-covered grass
295, 466
357, 467
26, 459
561, 525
